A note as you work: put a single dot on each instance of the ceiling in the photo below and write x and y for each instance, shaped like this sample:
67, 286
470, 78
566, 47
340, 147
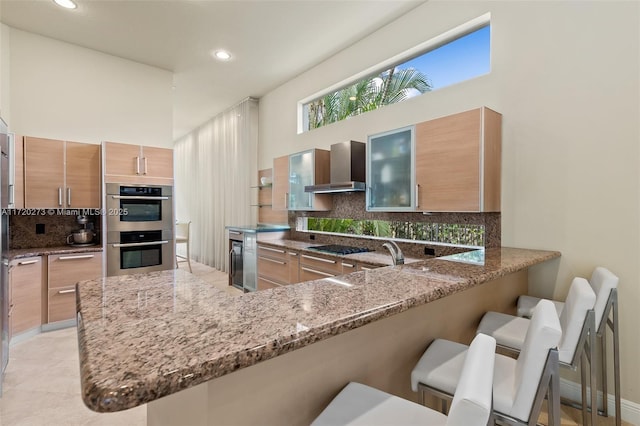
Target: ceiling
271, 41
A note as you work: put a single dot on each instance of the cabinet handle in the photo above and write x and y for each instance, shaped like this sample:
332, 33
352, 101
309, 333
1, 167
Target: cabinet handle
272, 260
145, 165
83, 256
150, 243
11, 310
137, 165
12, 195
320, 259
269, 281
73, 290
29, 262
417, 195
272, 249
69, 196
364, 268
286, 200
235, 232
313, 271
60, 196
348, 265
293, 254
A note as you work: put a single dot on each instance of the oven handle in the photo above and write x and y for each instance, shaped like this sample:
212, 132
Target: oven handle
150, 243
137, 197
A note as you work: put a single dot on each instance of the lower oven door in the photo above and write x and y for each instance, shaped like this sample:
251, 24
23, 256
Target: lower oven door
134, 252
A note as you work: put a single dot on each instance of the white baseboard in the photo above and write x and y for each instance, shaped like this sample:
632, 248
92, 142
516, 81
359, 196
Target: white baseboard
630, 410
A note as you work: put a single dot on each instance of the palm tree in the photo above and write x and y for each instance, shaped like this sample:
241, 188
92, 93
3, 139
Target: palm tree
388, 87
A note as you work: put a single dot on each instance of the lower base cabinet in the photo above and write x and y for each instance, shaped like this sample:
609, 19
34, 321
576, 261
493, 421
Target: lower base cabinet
64, 271
25, 294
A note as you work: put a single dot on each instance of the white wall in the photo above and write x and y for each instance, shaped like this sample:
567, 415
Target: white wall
565, 76
63, 91
4, 72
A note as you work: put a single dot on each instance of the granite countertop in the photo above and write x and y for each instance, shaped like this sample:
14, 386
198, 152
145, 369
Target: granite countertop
142, 337
379, 258
13, 254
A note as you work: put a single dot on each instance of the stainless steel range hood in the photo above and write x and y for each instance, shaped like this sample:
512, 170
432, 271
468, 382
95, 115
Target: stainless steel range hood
347, 169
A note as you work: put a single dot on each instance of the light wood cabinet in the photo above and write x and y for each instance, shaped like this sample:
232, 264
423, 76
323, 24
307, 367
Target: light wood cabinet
25, 294
280, 187
318, 267
266, 213
17, 192
128, 163
458, 160
64, 271
293, 172
60, 174
273, 267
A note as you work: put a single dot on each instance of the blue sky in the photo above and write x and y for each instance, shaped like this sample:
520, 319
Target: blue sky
459, 60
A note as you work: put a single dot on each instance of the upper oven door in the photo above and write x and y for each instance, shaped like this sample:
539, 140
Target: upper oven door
138, 207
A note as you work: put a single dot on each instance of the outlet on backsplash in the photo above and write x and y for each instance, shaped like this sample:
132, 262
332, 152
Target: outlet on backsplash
39, 228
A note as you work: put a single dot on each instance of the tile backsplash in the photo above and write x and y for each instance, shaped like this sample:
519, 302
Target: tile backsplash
22, 229
351, 205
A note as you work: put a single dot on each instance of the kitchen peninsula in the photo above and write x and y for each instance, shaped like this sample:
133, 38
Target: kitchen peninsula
278, 356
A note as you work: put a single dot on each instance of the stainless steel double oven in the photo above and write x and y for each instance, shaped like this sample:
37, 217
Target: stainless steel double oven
139, 228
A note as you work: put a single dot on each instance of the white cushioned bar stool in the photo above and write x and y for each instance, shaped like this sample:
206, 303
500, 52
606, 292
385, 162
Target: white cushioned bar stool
605, 285
182, 237
358, 404
578, 334
519, 385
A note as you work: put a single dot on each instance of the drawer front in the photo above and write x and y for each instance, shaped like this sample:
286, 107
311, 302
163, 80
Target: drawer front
67, 269
275, 269
309, 274
334, 266
366, 266
272, 252
62, 304
264, 284
25, 308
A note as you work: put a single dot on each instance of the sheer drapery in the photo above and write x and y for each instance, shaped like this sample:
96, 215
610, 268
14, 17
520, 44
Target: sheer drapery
215, 167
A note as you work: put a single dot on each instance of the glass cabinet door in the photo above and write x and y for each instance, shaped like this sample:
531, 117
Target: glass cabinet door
301, 174
390, 171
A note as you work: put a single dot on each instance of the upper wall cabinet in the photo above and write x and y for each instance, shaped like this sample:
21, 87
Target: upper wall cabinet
125, 163
292, 173
458, 160
390, 171
60, 174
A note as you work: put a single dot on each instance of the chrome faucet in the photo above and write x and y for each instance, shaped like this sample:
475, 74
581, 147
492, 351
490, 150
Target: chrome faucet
396, 253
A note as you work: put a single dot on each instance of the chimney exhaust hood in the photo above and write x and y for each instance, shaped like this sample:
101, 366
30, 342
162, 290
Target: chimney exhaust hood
348, 161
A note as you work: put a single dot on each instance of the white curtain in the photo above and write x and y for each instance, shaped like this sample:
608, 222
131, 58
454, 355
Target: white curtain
216, 165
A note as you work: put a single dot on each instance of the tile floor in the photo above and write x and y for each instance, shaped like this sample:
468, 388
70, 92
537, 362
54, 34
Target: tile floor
42, 381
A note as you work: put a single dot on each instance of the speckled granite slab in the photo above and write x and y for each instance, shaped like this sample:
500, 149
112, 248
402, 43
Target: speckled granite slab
42, 251
145, 336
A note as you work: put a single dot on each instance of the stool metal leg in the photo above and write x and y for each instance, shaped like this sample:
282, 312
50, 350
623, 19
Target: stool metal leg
583, 387
616, 355
593, 381
603, 366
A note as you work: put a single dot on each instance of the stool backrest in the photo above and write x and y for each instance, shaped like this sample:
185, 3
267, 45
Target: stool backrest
471, 403
580, 300
182, 229
543, 334
602, 281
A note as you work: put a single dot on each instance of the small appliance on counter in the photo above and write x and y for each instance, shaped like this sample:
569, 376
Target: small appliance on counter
84, 236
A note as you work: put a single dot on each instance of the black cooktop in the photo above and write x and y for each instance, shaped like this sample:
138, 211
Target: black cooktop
338, 249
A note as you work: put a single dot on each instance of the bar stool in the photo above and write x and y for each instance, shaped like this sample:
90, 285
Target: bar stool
577, 344
358, 404
605, 286
182, 237
519, 385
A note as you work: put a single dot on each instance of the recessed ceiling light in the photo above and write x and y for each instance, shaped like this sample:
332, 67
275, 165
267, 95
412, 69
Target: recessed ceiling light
222, 55
67, 4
